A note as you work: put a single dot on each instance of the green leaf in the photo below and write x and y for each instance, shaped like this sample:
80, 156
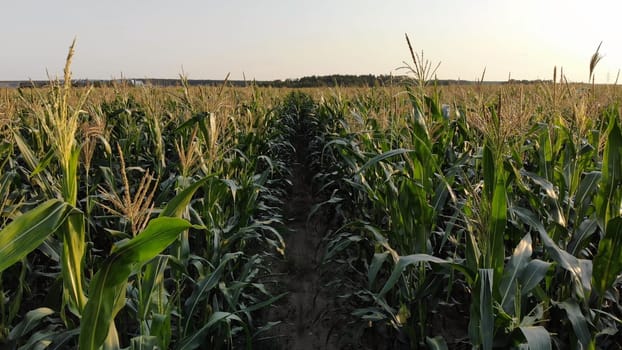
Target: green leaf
202, 289
436, 343
195, 340
383, 156
72, 261
578, 321
577, 267
60, 340
608, 261
486, 310
177, 205
402, 263
587, 187
43, 163
489, 173
376, 263
29, 230
39, 340
30, 321
569, 263
552, 198
29, 157
529, 218
264, 303
532, 274
607, 202
497, 226
109, 283
152, 279
581, 236
145, 342
513, 269
538, 338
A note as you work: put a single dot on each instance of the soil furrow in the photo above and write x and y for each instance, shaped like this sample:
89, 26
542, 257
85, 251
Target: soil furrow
305, 314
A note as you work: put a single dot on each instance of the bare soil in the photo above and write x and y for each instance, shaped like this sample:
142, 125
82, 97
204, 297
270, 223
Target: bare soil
305, 314
309, 316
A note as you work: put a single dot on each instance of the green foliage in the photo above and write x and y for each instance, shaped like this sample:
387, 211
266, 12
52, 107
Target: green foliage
425, 188
509, 232
29, 230
107, 289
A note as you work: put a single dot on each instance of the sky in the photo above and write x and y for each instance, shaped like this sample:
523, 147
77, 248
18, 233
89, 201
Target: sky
272, 39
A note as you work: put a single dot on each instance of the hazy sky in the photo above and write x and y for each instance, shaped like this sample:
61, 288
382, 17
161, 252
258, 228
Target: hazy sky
270, 39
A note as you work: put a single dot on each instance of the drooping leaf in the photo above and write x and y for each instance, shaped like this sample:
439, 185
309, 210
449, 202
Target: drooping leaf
587, 187
552, 198
376, 263
201, 290
30, 321
578, 321
402, 263
60, 340
581, 235
178, 204
513, 269
383, 156
195, 339
568, 262
562, 257
109, 283
532, 274
29, 230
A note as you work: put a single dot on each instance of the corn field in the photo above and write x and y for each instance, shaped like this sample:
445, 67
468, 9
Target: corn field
486, 217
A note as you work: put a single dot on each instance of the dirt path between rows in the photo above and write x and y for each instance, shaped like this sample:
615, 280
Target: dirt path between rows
307, 315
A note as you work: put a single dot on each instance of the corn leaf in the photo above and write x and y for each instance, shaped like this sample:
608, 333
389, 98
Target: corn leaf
587, 188
608, 260
202, 289
578, 322
30, 321
375, 160
486, 310
436, 343
195, 340
29, 230
577, 267
538, 338
488, 164
152, 279
72, 261
376, 263
607, 202
513, 269
497, 226
532, 274
178, 204
109, 283
402, 263
60, 340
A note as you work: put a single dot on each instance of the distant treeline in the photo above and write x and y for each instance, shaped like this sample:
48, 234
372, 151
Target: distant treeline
304, 82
